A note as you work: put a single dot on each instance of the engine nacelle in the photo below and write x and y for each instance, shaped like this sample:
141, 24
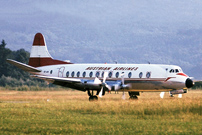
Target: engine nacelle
173, 92
117, 87
91, 85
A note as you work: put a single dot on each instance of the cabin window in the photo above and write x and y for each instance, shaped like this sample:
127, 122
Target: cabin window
91, 74
97, 74
117, 74
51, 71
103, 74
72, 74
84, 74
141, 74
129, 75
78, 74
110, 74
67, 74
148, 74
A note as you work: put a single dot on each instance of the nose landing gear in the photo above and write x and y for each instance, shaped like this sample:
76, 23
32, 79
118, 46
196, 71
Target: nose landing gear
133, 95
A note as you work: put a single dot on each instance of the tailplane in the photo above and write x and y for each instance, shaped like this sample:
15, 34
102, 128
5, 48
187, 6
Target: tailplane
39, 54
23, 66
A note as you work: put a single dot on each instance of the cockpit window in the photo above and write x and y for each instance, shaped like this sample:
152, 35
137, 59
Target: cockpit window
172, 71
175, 70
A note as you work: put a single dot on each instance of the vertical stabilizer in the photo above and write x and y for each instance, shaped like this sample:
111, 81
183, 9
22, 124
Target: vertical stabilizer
39, 53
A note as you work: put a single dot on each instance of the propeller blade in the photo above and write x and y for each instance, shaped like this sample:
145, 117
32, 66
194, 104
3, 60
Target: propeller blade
105, 76
104, 84
179, 95
162, 94
100, 94
122, 81
122, 78
108, 87
123, 96
97, 81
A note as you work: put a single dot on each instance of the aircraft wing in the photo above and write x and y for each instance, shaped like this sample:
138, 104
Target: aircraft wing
23, 66
59, 79
76, 83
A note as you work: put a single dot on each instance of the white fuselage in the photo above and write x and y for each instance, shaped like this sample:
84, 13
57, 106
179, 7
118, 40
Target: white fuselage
133, 78
139, 77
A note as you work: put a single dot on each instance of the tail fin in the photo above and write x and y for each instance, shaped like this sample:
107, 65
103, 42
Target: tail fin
39, 54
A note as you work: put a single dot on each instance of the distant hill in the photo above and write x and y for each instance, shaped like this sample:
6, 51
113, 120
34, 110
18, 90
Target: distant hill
167, 32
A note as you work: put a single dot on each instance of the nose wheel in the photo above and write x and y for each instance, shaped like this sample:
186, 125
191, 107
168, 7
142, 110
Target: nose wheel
133, 95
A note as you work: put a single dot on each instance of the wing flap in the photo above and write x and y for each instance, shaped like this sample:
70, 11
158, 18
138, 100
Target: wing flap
23, 66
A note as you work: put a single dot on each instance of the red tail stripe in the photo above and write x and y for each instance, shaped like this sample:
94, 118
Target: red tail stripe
39, 40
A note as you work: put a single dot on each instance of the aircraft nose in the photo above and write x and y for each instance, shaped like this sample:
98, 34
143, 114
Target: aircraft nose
189, 83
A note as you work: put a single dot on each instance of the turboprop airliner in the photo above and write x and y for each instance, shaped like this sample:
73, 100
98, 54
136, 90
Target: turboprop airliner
96, 79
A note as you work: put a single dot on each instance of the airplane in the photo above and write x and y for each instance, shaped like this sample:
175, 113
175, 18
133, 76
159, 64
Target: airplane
96, 79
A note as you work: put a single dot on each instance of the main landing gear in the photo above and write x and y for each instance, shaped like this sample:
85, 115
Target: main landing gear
133, 95
91, 96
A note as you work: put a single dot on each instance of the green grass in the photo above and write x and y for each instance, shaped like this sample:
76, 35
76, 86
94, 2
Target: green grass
70, 112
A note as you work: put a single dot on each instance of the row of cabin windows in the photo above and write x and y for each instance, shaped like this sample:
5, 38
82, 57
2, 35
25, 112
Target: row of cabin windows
97, 74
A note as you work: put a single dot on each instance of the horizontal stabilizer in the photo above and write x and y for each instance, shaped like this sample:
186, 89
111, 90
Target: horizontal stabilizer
60, 79
23, 66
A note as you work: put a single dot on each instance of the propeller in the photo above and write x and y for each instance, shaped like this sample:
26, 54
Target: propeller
104, 84
122, 81
97, 81
162, 94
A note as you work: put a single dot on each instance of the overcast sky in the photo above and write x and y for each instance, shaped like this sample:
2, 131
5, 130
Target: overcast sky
133, 31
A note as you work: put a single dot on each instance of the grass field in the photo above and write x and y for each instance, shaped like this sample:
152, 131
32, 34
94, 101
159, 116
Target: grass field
70, 112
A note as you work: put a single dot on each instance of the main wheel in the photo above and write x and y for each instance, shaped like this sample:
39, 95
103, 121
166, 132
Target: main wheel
133, 95
133, 98
93, 98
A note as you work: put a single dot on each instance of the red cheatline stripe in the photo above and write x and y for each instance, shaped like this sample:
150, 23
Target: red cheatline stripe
169, 78
183, 74
39, 40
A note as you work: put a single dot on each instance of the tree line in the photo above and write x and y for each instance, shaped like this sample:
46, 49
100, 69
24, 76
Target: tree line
13, 76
